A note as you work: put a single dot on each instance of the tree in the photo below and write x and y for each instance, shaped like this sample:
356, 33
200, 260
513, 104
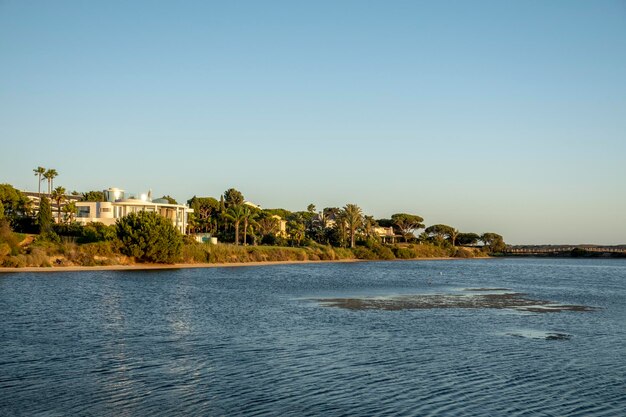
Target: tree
205, 212
232, 198
453, 235
15, 204
58, 196
467, 239
295, 229
69, 211
50, 175
98, 232
354, 220
368, 226
149, 237
236, 215
170, 200
407, 224
341, 226
94, 196
267, 224
39, 171
441, 232
44, 218
493, 242
311, 208
249, 217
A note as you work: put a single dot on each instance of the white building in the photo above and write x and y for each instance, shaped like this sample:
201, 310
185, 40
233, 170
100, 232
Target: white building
116, 206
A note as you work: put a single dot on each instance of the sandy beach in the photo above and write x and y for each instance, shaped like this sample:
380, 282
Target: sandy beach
141, 267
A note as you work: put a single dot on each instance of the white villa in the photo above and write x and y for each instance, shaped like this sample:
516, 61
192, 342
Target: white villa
116, 205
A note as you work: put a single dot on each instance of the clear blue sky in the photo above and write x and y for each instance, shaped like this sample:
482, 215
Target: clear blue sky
485, 115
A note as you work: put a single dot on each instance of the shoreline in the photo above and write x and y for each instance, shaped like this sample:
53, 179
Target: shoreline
145, 267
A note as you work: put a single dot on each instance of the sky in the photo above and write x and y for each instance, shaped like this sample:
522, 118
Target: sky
489, 116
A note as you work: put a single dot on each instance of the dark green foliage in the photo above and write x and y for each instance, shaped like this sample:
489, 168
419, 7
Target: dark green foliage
14, 204
70, 230
441, 234
9, 241
361, 252
169, 199
385, 222
284, 214
381, 251
467, 238
98, 232
494, 243
232, 198
149, 237
93, 196
205, 216
44, 217
403, 253
92, 232
407, 224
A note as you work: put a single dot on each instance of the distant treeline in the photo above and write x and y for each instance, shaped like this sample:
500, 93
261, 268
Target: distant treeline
31, 237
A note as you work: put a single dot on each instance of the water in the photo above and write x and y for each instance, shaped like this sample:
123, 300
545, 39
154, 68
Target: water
252, 341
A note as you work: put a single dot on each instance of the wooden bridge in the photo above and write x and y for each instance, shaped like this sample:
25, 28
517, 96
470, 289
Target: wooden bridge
564, 249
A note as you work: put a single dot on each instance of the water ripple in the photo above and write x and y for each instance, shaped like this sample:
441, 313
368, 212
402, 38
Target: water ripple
247, 342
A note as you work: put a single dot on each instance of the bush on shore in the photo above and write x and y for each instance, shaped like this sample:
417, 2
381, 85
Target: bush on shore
149, 237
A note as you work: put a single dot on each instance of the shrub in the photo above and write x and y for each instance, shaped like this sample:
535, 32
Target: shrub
362, 252
383, 252
71, 230
97, 232
404, 253
149, 237
463, 253
195, 252
8, 239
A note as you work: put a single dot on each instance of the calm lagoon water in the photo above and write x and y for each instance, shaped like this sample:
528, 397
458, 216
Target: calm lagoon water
253, 341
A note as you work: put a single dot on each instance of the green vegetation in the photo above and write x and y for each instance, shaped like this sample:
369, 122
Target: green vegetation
407, 224
149, 237
14, 204
249, 233
94, 196
50, 175
39, 171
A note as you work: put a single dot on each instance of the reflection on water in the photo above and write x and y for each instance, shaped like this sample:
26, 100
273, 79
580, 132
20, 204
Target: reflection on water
250, 341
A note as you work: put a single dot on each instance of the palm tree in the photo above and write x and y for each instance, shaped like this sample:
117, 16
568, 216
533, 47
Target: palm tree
354, 220
341, 225
49, 175
249, 217
236, 215
58, 196
267, 225
369, 223
296, 230
39, 171
70, 211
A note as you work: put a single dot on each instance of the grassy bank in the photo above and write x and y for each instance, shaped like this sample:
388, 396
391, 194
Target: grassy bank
42, 253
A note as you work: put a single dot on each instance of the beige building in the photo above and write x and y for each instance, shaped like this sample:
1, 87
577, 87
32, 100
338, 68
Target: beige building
386, 234
116, 205
282, 226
